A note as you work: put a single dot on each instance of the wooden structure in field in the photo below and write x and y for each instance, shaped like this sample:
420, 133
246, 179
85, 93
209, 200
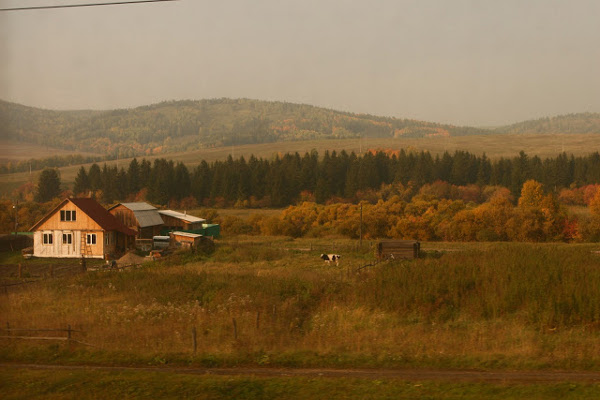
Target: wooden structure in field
80, 227
397, 249
185, 239
141, 217
181, 221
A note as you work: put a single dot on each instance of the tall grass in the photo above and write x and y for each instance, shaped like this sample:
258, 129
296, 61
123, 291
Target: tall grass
517, 305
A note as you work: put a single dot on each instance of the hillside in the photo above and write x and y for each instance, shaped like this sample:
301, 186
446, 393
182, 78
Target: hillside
188, 125
570, 123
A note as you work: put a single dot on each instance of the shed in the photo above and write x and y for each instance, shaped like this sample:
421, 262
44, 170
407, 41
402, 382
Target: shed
185, 239
401, 249
181, 221
140, 216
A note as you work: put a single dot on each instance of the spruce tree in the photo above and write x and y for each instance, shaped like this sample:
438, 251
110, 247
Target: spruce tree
48, 185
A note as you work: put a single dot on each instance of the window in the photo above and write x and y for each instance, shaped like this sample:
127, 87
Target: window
68, 215
107, 238
91, 238
47, 238
67, 238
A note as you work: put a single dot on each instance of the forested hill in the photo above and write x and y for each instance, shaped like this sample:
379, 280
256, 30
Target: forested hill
571, 123
187, 125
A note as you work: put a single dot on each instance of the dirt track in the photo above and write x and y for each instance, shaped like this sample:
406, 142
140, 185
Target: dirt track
521, 377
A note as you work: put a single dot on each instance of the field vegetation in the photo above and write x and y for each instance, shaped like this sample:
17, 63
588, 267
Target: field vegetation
272, 302
81, 385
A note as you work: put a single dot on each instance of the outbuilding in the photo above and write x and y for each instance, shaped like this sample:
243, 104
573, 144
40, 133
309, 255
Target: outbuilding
140, 217
181, 221
397, 249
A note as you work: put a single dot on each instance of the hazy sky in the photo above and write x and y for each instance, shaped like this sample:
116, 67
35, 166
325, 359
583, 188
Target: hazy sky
471, 62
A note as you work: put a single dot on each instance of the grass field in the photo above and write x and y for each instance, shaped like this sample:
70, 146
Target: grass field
271, 302
495, 146
81, 385
18, 151
502, 305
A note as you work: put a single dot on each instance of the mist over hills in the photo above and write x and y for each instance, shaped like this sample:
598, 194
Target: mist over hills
189, 125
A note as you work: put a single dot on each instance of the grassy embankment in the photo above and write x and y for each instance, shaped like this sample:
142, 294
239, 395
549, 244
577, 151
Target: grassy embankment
495, 146
506, 305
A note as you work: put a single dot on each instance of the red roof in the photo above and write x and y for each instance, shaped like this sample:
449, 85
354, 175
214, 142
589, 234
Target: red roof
95, 211
105, 219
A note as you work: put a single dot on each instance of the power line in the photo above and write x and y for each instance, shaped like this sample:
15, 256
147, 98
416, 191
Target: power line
116, 3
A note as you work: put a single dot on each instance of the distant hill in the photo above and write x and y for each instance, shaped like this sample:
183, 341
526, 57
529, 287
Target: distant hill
570, 123
189, 125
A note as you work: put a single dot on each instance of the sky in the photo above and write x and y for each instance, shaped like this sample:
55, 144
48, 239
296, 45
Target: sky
464, 62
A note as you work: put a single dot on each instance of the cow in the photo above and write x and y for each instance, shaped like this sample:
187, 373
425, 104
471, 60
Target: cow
331, 257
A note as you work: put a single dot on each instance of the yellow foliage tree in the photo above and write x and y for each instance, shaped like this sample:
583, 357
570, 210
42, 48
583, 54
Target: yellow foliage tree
532, 194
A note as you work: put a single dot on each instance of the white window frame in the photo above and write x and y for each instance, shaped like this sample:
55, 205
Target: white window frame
47, 239
90, 239
68, 236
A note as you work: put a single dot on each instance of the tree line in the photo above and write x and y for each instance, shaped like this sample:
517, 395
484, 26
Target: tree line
334, 176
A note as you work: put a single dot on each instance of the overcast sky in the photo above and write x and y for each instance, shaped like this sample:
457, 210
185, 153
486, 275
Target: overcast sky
469, 62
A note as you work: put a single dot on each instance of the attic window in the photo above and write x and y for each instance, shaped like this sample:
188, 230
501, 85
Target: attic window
68, 215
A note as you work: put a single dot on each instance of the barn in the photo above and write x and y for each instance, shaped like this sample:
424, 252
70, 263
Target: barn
140, 217
80, 227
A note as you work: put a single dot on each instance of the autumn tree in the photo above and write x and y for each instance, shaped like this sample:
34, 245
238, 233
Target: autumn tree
531, 194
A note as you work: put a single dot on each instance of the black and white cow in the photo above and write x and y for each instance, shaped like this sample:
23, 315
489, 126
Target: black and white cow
331, 257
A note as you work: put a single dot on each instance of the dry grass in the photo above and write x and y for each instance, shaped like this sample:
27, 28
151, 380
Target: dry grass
512, 305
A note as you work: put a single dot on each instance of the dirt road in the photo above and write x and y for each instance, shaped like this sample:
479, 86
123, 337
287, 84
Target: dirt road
522, 377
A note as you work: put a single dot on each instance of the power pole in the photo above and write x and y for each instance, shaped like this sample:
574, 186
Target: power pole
360, 229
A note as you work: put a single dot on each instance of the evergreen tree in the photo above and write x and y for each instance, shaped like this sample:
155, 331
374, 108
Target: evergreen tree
134, 183
48, 185
95, 177
82, 182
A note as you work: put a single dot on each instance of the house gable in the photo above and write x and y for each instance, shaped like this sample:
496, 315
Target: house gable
62, 218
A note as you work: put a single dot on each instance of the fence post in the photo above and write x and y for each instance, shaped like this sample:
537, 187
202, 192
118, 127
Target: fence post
69, 336
234, 329
194, 339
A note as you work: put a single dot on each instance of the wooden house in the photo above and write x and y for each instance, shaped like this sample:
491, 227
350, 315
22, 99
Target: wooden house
397, 249
80, 227
140, 217
181, 221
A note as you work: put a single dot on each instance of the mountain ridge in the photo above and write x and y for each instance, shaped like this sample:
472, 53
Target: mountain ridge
182, 125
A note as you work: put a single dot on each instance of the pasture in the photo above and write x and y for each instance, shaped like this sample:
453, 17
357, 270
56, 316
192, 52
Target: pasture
494, 146
272, 302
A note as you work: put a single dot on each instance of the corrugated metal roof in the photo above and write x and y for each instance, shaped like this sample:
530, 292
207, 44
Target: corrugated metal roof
147, 218
182, 216
187, 234
139, 206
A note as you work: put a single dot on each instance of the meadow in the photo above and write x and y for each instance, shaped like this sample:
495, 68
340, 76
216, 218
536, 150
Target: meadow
94, 384
270, 301
494, 146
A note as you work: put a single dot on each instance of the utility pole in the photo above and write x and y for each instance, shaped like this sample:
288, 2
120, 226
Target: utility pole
360, 229
16, 216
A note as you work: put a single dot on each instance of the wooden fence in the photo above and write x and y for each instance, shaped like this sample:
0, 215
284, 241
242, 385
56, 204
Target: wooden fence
27, 334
